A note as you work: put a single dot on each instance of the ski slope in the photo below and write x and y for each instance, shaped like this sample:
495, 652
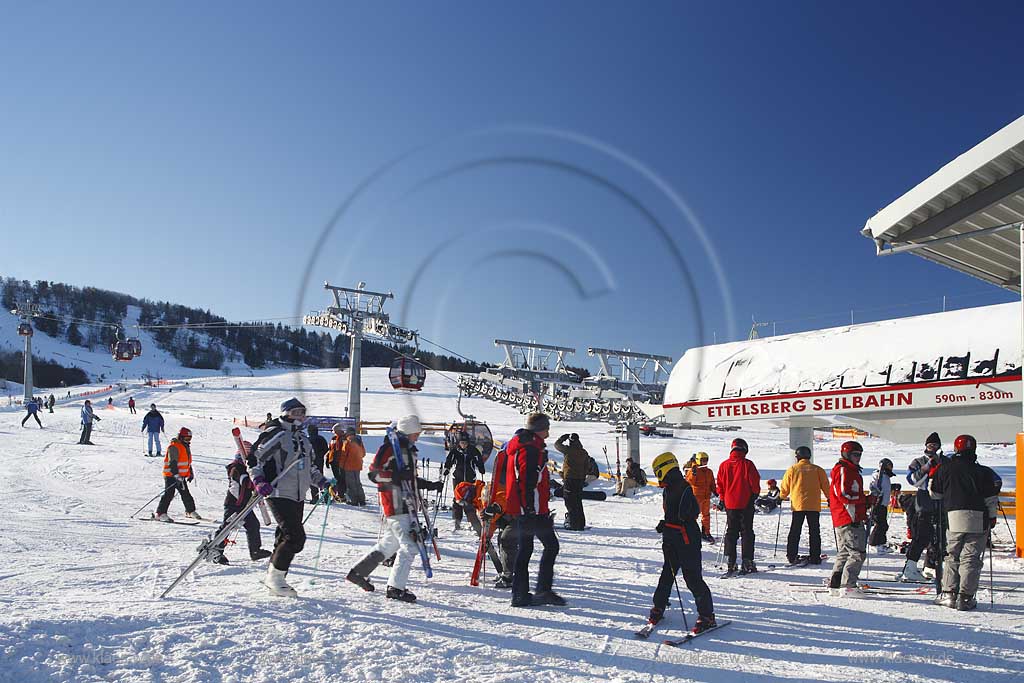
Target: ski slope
79, 581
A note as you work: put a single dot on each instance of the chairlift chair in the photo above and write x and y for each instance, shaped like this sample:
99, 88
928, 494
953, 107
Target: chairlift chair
407, 374
479, 435
121, 351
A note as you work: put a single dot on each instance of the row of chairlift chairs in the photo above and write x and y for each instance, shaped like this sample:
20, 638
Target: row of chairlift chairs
120, 349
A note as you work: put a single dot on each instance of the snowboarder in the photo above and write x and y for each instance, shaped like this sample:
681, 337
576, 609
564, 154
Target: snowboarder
633, 479
282, 443
680, 544
469, 495
528, 493
919, 474
970, 497
804, 483
352, 454
153, 424
463, 461
574, 478
320, 447
131, 405
849, 513
879, 493
770, 500
240, 490
87, 419
32, 410
178, 474
702, 480
739, 483
400, 522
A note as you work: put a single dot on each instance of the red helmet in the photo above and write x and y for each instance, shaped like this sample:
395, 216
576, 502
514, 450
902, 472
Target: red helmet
185, 434
739, 445
850, 449
965, 444
772, 483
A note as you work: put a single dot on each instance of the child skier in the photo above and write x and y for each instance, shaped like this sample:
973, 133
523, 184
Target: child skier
769, 501
240, 490
469, 495
702, 480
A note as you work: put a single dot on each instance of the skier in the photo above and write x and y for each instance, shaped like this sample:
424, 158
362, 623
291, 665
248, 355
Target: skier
87, 419
32, 410
50, 402
702, 480
319, 445
919, 474
335, 459
680, 544
632, 480
574, 478
400, 522
767, 502
469, 495
970, 497
282, 443
240, 491
463, 461
804, 483
528, 494
879, 493
131, 405
177, 475
153, 424
849, 513
738, 486
507, 543
353, 452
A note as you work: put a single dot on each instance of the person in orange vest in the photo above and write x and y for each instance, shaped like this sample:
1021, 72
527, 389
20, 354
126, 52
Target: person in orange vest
702, 480
469, 495
353, 452
177, 474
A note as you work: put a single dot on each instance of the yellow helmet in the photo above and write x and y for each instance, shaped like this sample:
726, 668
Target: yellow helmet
701, 457
663, 464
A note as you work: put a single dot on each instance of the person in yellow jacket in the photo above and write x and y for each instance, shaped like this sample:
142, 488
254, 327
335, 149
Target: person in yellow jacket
177, 473
702, 480
804, 484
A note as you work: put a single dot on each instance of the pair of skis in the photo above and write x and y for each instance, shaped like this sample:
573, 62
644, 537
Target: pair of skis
410, 492
648, 628
486, 532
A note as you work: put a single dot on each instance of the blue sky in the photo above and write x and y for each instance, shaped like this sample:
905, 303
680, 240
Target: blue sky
196, 153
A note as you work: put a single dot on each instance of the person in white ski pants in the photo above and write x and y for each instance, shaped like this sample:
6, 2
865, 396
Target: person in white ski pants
397, 538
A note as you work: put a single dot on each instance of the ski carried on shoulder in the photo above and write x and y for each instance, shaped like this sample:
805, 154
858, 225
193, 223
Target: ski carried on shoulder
690, 636
414, 504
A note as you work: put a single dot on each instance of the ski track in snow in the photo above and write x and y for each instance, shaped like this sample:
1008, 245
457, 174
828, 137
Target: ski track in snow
78, 591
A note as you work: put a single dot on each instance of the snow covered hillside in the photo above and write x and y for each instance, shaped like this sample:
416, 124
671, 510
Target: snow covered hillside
80, 581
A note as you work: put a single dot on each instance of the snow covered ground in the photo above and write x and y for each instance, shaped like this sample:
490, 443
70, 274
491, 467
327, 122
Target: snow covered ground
79, 581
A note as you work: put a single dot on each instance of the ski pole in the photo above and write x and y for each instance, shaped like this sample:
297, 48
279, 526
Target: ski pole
778, 528
991, 581
1008, 528
311, 511
320, 544
173, 483
679, 595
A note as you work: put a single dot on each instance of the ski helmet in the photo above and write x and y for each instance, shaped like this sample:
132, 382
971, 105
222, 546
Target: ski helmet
739, 445
702, 458
663, 464
965, 444
772, 483
802, 453
850, 449
293, 404
185, 434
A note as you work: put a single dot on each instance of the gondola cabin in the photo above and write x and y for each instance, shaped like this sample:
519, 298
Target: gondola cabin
25, 330
407, 374
479, 435
121, 351
136, 346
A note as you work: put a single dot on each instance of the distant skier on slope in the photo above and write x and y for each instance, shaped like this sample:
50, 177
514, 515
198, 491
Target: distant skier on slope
240, 491
680, 544
738, 486
177, 475
131, 405
804, 484
702, 480
848, 504
153, 424
282, 443
400, 522
88, 417
32, 410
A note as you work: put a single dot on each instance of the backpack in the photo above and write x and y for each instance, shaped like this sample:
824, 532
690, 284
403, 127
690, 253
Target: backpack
641, 476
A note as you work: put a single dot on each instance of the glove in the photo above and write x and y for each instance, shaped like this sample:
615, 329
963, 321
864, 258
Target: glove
178, 481
191, 477
661, 527
493, 509
263, 487
444, 473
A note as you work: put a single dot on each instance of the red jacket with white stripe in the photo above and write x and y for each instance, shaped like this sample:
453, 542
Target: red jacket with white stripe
526, 478
382, 471
846, 498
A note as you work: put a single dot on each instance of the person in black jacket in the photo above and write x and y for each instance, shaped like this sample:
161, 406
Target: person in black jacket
240, 490
463, 461
970, 498
680, 544
320, 447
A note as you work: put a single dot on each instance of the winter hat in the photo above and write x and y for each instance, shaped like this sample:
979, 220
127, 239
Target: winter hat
338, 429
410, 424
538, 422
290, 404
933, 438
740, 445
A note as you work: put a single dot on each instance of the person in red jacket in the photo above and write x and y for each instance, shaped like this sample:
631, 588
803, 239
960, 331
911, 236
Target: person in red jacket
849, 508
528, 492
739, 484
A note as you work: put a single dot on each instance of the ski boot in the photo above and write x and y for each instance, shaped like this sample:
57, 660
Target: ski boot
400, 594
748, 567
966, 602
275, 581
852, 592
704, 624
835, 584
163, 517
522, 600
194, 515
911, 574
503, 581
946, 600
259, 554
549, 597
656, 615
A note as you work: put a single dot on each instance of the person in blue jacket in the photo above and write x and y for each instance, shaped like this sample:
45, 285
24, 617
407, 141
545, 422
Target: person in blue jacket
32, 410
153, 424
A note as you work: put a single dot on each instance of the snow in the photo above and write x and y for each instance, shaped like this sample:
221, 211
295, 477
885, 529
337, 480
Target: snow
80, 581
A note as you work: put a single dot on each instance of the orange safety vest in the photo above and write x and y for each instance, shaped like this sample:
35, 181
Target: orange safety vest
184, 460
471, 491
